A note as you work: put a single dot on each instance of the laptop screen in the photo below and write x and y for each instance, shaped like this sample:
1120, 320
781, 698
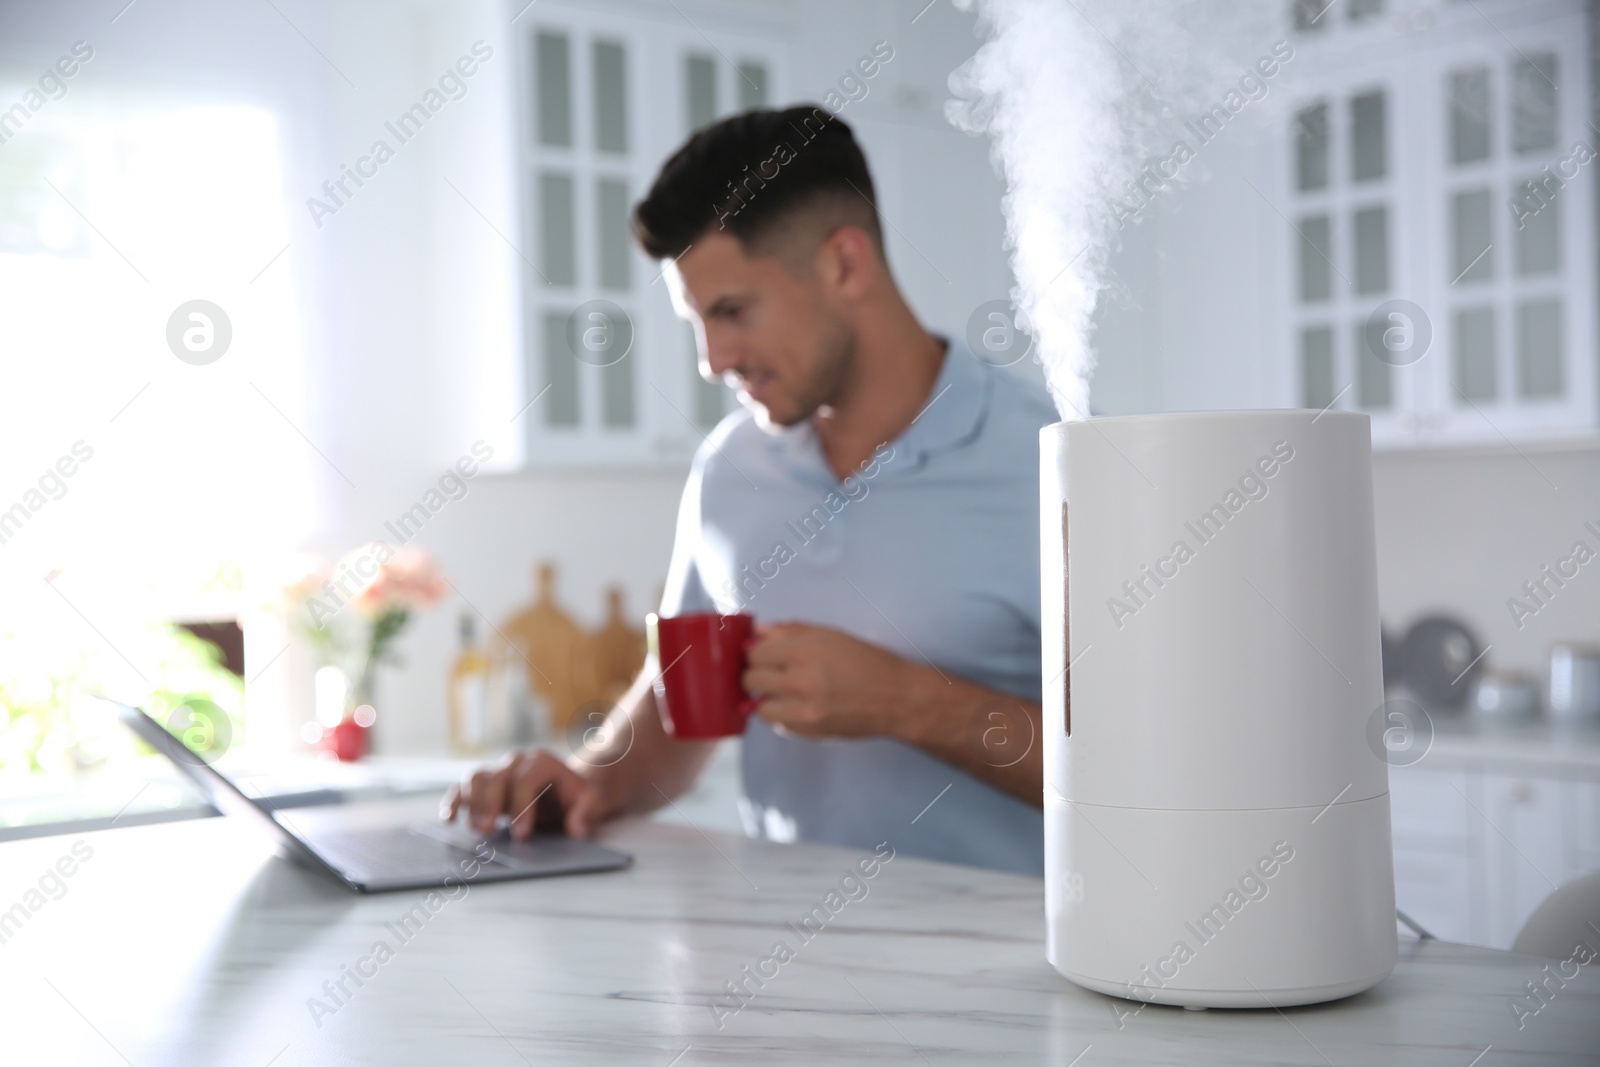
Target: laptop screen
223, 794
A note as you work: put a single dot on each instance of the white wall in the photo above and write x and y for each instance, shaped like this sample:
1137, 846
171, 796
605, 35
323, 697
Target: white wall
937, 190
601, 528
1460, 531
1184, 323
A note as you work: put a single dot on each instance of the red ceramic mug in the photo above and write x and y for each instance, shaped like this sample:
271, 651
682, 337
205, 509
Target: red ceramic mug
702, 658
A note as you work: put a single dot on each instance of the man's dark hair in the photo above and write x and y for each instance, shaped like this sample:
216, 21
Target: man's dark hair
752, 172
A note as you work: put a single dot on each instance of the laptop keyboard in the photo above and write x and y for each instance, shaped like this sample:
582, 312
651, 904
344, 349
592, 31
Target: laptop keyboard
396, 854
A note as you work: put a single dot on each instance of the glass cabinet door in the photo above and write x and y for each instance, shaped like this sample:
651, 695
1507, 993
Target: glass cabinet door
609, 374
1442, 260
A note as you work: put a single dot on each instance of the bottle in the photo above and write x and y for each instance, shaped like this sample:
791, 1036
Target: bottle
521, 715
469, 695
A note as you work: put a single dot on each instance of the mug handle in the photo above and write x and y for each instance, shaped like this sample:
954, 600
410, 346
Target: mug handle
748, 704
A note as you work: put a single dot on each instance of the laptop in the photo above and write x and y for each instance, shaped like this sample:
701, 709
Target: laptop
374, 860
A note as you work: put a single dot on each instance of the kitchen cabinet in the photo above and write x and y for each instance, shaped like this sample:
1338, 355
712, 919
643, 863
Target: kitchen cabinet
1436, 857
1525, 857
1581, 814
1488, 823
609, 375
1439, 267
1439, 895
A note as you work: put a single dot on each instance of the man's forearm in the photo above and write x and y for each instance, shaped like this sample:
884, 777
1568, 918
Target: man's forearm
637, 765
988, 734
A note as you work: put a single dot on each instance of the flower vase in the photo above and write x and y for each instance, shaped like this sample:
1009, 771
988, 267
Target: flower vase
352, 737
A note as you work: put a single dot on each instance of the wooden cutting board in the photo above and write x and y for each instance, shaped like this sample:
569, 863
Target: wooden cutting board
619, 650
558, 654
576, 671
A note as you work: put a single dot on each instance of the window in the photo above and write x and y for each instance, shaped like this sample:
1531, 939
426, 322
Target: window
609, 374
112, 451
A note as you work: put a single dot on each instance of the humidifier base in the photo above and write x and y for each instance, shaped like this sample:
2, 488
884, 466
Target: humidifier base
1203, 999
1221, 908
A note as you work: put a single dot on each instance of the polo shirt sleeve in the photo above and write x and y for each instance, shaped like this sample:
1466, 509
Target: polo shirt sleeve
685, 592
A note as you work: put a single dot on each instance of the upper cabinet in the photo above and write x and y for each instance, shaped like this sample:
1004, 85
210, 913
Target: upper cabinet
1438, 175
609, 373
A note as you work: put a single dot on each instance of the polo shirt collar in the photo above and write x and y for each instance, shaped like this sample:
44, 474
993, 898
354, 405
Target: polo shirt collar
951, 417
953, 413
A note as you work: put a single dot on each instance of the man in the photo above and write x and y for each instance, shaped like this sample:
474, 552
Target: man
873, 505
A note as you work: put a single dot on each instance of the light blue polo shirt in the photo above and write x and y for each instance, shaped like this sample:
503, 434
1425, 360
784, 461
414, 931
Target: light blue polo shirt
932, 552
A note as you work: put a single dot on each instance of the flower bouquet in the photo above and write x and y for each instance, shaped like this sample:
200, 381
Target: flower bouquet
351, 614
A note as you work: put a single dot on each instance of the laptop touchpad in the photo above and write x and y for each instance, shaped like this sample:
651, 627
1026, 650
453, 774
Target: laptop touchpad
539, 851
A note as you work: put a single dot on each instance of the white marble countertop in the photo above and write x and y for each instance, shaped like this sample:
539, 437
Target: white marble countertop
192, 943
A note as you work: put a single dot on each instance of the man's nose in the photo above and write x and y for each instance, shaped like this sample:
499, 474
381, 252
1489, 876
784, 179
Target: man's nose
717, 360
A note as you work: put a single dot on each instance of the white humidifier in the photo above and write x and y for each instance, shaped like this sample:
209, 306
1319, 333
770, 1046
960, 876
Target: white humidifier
1216, 805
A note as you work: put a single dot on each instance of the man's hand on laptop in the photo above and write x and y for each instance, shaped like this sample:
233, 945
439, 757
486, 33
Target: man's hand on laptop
523, 786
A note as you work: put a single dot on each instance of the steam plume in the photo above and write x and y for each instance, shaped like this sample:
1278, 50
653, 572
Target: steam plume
1076, 96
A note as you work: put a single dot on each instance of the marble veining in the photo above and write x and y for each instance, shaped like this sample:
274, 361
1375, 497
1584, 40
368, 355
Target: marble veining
194, 943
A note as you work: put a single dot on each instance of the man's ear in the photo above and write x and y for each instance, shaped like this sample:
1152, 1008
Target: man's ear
850, 262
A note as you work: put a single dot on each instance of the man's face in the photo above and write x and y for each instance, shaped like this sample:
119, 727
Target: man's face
769, 332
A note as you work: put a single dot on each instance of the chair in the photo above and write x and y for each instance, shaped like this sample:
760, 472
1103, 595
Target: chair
1568, 916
